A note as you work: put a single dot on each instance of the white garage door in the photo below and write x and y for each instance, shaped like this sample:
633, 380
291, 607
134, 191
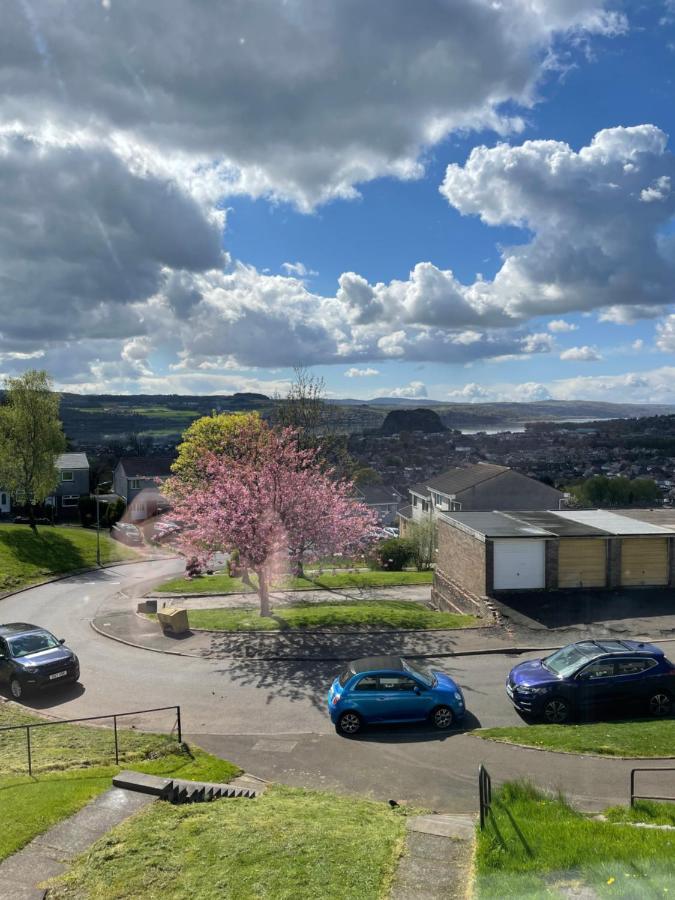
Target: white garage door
519, 564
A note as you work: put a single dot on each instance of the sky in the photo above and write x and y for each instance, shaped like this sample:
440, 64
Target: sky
465, 200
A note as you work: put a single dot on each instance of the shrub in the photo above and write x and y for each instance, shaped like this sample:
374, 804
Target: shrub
393, 554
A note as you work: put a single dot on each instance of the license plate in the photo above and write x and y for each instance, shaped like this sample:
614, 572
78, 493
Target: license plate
57, 675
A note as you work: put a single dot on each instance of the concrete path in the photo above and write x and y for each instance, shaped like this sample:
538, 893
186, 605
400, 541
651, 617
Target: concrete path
413, 593
49, 854
436, 864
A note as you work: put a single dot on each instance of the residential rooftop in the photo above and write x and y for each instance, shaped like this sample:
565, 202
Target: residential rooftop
564, 523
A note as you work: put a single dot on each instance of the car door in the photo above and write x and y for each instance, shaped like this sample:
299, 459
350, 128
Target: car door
596, 686
365, 695
634, 683
402, 698
5, 662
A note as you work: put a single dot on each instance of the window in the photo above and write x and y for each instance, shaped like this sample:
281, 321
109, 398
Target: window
134, 484
603, 668
414, 499
396, 683
3, 499
634, 666
367, 683
66, 476
455, 505
70, 500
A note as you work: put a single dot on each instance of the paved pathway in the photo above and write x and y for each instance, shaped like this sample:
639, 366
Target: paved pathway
50, 854
436, 864
413, 593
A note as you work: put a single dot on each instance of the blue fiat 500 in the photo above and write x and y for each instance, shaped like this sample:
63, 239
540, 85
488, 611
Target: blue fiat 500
392, 689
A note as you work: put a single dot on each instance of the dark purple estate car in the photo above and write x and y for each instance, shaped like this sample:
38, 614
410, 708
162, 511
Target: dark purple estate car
590, 676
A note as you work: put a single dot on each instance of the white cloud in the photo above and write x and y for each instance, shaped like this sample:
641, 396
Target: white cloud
414, 390
638, 345
558, 326
582, 354
300, 100
665, 335
659, 190
470, 393
298, 269
361, 373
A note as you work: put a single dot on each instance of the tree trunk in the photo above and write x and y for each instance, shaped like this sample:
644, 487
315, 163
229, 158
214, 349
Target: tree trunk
263, 593
298, 567
31, 518
245, 577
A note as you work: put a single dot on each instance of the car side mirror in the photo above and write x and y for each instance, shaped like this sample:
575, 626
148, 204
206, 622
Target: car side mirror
417, 690
62, 640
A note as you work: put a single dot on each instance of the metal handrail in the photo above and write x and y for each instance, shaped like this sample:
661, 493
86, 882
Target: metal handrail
114, 716
484, 794
634, 796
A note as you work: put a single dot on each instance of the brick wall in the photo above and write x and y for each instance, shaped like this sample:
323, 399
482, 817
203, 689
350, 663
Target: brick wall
461, 558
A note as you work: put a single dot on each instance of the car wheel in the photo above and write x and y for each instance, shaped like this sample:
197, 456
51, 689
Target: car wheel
660, 704
442, 717
556, 711
17, 690
349, 722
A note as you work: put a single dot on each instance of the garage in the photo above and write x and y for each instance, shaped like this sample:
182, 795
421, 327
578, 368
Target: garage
644, 561
582, 562
519, 565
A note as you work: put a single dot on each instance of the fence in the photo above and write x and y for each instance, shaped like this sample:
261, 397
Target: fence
484, 794
114, 716
634, 796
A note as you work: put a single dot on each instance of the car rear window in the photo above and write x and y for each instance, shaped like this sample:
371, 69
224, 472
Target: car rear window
344, 678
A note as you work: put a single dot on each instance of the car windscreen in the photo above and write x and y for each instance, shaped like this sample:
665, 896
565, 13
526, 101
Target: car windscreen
25, 644
422, 672
567, 660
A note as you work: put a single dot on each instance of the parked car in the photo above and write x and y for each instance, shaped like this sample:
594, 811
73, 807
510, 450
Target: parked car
164, 529
392, 689
590, 676
391, 531
31, 657
127, 533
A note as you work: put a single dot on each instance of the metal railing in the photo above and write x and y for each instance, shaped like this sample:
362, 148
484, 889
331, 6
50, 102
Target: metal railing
484, 794
634, 796
114, 716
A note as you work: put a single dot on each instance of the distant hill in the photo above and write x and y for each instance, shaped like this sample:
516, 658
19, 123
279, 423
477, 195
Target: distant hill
425, 420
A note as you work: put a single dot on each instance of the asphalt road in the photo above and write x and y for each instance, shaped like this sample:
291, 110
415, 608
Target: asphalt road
270, 717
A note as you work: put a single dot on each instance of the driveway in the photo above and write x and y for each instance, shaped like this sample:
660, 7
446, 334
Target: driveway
269, 716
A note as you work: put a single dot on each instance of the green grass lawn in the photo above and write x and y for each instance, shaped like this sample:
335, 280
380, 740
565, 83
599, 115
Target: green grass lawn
639, 737
26, 558
289, 844
73, 764
364, 613
539, 847
220, 583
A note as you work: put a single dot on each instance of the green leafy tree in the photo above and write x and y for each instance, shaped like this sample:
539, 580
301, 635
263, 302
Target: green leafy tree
422, 539
212, 435
394, 554
31, 438
602, 491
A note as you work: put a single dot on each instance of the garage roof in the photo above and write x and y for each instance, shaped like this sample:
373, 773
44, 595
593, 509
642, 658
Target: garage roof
561, 523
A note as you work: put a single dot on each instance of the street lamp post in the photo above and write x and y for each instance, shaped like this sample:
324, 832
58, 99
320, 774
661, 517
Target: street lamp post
105, 498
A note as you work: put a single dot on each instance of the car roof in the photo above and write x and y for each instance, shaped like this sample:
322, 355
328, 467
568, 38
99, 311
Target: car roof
608, 647
13, 628
372, 663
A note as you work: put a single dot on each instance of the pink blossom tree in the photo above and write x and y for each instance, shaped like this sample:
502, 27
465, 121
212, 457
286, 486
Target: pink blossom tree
273, 502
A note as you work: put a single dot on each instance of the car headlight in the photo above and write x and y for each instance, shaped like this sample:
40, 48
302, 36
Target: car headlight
459, 697
532, 690
29, 665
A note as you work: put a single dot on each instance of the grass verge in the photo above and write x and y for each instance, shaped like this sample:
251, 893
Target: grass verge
73, 764
534, 846
26, 558
639, 737
289, 843
220, 583
395, 614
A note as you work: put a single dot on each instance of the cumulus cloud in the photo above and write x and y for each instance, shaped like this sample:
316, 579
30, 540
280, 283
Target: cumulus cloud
413, 390
299, 269
300, 100
559, 326
361, 373
581, 354
665, 335
596, 243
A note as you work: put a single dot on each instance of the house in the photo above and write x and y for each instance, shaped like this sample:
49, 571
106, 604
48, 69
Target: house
73, 483
479, 487
496, 554
136, 475
384, 500
5, 502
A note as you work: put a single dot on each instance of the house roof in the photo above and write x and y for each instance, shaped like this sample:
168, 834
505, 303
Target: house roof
378, 493
146, 466
421, 489
405, 512
72, 461
561, 523
461, 478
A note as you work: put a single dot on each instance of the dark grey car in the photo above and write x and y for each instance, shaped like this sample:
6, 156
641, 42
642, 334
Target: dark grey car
31, 657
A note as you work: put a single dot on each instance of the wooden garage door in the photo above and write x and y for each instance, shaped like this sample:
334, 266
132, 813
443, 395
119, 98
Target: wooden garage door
582, 562
644, 561
519, 564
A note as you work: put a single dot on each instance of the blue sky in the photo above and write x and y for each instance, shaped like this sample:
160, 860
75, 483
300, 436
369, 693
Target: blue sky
463, 201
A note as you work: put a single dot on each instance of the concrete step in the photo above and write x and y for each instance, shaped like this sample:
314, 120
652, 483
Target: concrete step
176, 790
